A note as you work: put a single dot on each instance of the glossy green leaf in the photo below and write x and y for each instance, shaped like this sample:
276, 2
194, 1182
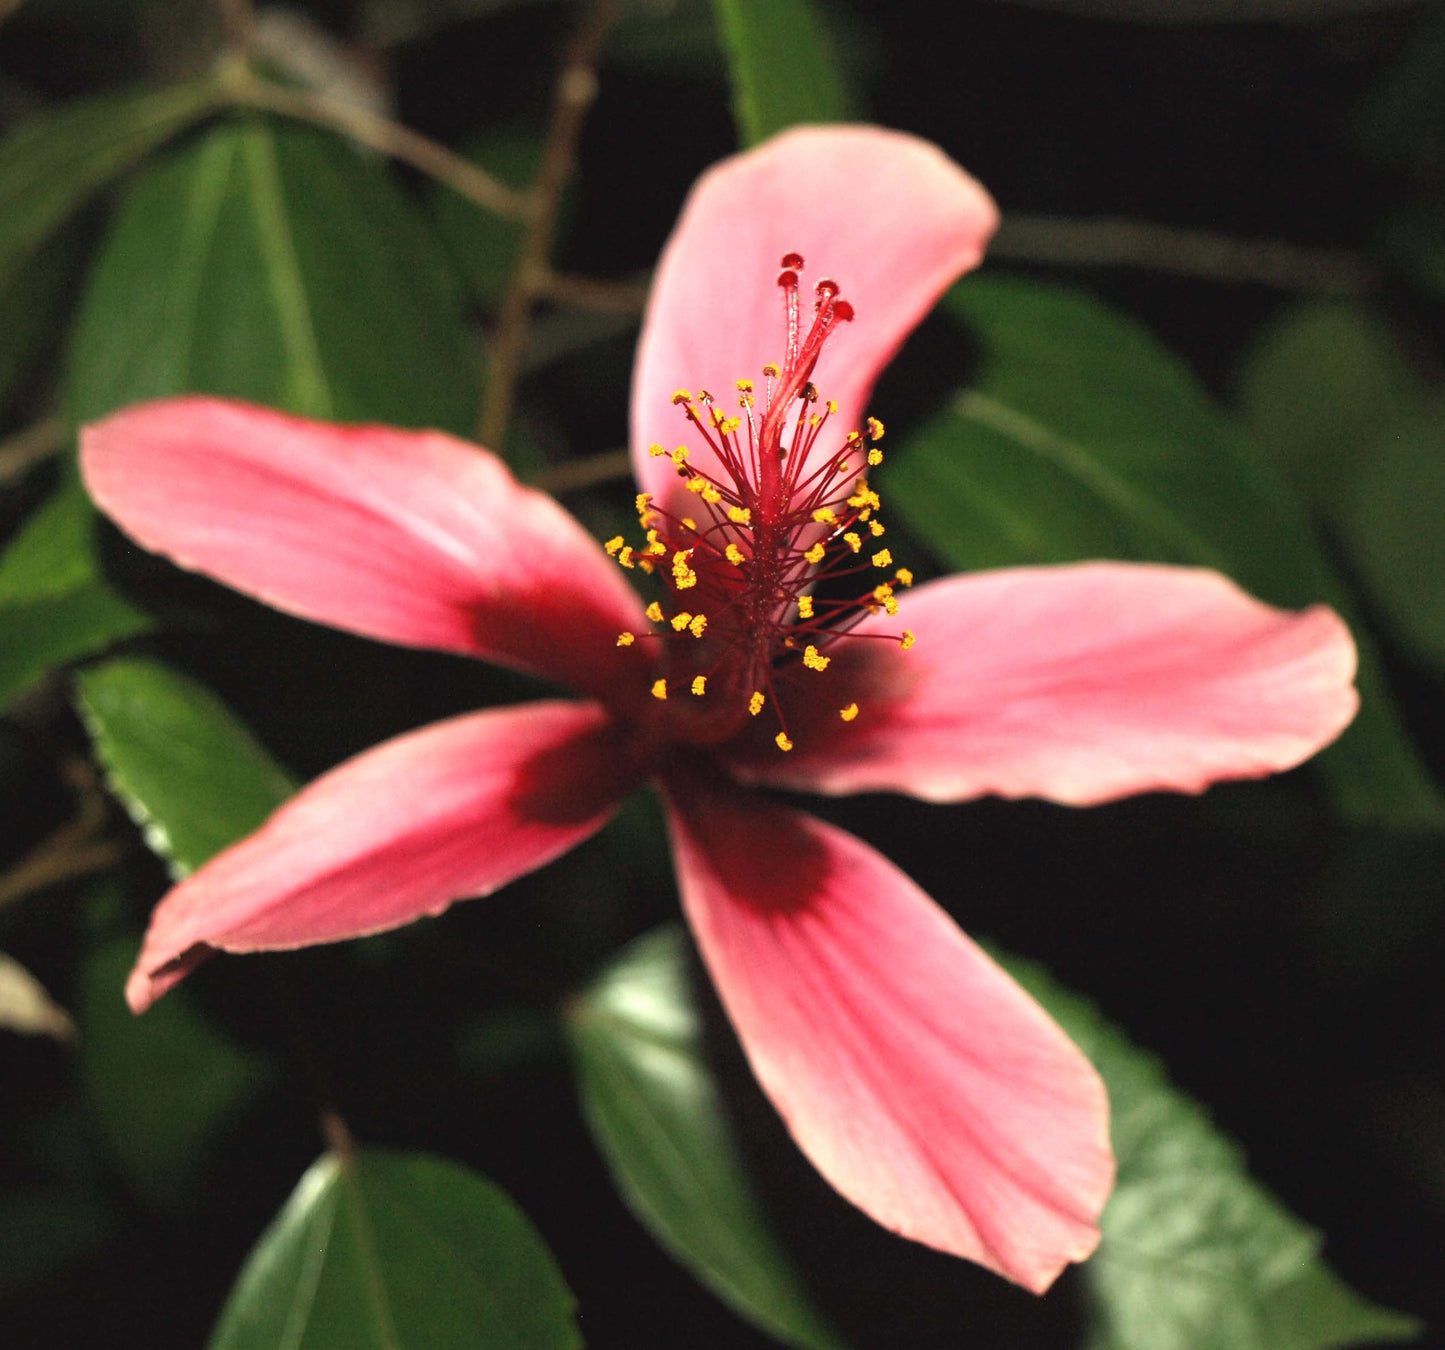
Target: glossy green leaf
1195, 1254
783, 65
51, 165
191, 775
54, 605
1082, 438
653, 1108
162, 1085
274, 263
378, 1251
1322, 382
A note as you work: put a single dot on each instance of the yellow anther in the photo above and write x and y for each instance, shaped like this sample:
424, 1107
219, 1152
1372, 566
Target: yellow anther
744, 386
783, 742
704, 396
805, 606
688, 523
815, 420
907, 640
832, 405
625, 557
698, 625
809, 392
882, 558
813, 660
656, 451
734, 555
699, 685
696, 484
642, 499
730, 425
903, 577
681, 396
771, 371
755, 704
680, 621
679, 456
654, 612
646, 565
875, 457
864, 496
851, 437
710, 494
656, 548
626, 639
682, 575
875, 429
659, 689
740, 515
824, 516
815, 554
613, 544
853, 541
647, 519
875, 528
884, 596
848, 713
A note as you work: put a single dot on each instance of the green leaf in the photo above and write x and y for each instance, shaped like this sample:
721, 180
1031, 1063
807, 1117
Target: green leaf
655, 1112
190, 774
31, 300
51, 165
1083, 438
274, 263
1195, 1254
54, 605
384, 1250
1324, 379
783, 64
161, 1085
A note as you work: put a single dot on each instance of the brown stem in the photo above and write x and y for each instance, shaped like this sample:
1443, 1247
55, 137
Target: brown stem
607, 297
575, 92
76, 849
381, 134
1190, 253
25, 449
577, 474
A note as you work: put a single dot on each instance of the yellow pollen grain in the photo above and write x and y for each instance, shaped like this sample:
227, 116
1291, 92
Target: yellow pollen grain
626, 639
654, 612
685, 580
805, 606
679, 456
882, 558
755, 704
783, 742
681, 396
815, 554
875, 429
848, 713
699, 685
903, 577
696, 485
851, 438
625, 557
680, 621
744, 386
813, 660
730, 427
656, 548
875, 528
815, 421
659, 689
853, 541
711, 495
832, 405
875, 457
907, 640
734, 555
824, 516
698, 625
613, 544
771, 371
656, 451
740, 515
642, 500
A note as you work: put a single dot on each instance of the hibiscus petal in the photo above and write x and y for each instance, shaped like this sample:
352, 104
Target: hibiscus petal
411, 537
456, 809
920, 1080
1080, 684
888, 216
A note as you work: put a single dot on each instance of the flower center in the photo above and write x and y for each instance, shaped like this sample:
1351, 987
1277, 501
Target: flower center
763, 555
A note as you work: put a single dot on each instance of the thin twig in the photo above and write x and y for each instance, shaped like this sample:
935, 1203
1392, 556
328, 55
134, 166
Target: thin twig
574, 94
1062, 241
607, 297
380, 134
577, 474
76, 849
25, 449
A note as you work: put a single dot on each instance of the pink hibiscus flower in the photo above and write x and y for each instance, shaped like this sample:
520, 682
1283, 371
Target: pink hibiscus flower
919, 1079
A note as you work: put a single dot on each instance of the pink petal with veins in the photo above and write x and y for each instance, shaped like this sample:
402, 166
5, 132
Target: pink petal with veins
1079, 684
411, 537
886, 215
454, 810
921, 1081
